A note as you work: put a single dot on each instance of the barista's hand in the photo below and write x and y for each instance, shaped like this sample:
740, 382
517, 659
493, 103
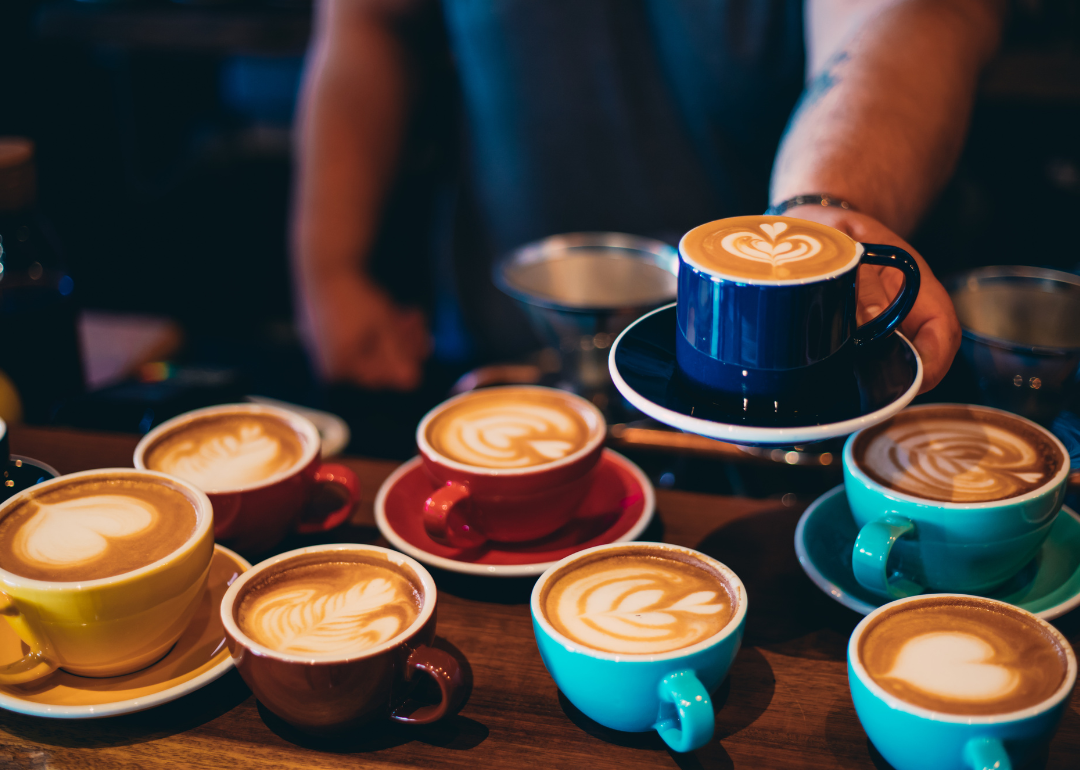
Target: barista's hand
355, 333
931, 325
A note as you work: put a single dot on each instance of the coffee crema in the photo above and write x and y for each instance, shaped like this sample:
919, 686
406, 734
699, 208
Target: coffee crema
226, 451
329, 607
768, 248
958, 454
963, 656
94, 528
509, 428
637, 602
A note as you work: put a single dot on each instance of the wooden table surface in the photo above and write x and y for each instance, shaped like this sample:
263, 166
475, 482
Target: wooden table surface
784, 705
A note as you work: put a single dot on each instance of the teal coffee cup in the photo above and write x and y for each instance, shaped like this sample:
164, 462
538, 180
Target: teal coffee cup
638, 635
955, 682
950, 497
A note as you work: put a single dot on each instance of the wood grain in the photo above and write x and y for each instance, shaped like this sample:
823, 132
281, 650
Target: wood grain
785, 704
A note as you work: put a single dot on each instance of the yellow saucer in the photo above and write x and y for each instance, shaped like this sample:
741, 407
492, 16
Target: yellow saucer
198, 658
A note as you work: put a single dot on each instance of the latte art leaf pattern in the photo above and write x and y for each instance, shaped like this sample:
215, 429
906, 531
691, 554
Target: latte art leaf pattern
643, 608
768, 245
955, 460
226, 460
71, 532
509, 434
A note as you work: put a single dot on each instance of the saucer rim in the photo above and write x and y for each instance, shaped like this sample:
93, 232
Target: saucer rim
842, 596
18, 705
500, 570
757, 435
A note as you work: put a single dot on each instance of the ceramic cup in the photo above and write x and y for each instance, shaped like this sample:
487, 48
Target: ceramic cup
907, 545
914, 738
473, 504
668, 692
113, 625
326, 693
778, 340
252, 518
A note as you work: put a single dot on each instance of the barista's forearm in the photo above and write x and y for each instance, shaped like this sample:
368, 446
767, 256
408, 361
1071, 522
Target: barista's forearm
886, 107
351, 117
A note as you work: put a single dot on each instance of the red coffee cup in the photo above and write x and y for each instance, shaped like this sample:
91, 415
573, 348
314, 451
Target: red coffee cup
473, 504
253, 517
329, 692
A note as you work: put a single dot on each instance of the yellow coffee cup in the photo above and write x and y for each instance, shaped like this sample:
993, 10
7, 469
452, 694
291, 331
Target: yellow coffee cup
111, 625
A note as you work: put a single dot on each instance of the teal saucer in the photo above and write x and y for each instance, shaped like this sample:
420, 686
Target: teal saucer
1049, 586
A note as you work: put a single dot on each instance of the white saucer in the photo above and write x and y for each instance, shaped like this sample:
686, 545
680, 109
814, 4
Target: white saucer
333, 430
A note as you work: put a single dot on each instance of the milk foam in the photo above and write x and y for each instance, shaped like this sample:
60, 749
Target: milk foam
953, 665
508, 433
71, 532
225, 460
768, 246
646, 607
311, 614
955, 460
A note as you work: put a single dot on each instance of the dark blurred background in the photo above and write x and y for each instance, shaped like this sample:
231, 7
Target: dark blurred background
162, 138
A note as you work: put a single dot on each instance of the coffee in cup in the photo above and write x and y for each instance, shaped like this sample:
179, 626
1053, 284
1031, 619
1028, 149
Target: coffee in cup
637, 635
94, 528
962, 497
260, 466
329, 607
336, 636
101, 571
509, 464
766, 312
634, 601
949, 680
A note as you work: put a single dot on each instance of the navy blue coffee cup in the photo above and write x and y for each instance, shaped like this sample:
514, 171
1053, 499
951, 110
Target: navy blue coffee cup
780, 339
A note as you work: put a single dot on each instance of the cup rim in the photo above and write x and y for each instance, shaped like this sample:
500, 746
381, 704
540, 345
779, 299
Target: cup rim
204, 522
430, 453
296, 421
734, 623
852, 264
398, 558
1058, 478
968, 719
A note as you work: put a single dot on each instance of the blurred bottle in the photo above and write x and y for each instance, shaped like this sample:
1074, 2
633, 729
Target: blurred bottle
39, 343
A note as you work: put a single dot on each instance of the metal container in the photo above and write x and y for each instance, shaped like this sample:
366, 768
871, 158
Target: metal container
580, 290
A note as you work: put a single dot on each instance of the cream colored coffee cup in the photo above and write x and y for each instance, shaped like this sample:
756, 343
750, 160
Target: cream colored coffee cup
113, 625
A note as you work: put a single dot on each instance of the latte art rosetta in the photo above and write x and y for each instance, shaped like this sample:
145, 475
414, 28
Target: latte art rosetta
955, 460
330, 608
496, 431
648, 606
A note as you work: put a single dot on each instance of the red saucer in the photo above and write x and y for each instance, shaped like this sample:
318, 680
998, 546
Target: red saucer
619, 507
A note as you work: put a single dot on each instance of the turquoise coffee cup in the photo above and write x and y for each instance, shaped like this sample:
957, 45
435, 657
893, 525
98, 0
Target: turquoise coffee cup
908, 545
667, 692
914, 738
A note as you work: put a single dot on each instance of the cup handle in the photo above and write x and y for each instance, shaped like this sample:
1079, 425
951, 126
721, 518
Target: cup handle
691, 726
986, 754
333, 473
870, 557
36, 663
448, 517
884, 323
446, 672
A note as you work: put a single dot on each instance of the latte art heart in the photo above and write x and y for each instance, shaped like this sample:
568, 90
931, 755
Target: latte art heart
647, 606
329, 608
768, 248
953, 665
73, 531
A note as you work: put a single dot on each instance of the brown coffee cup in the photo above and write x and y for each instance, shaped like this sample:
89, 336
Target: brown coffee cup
326, 692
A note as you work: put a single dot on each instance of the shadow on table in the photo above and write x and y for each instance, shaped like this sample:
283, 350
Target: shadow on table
784, 605
184, 714
740, 700
456, 732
